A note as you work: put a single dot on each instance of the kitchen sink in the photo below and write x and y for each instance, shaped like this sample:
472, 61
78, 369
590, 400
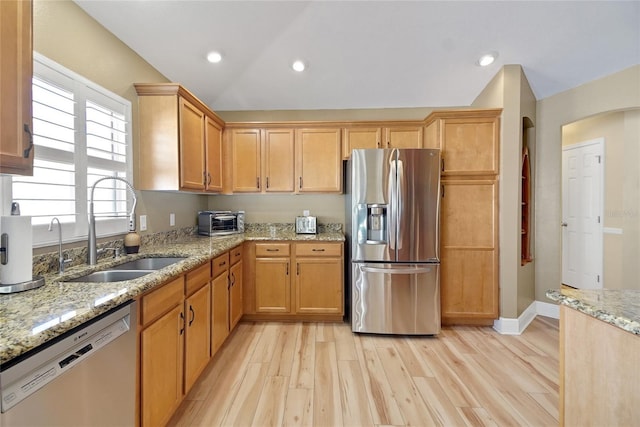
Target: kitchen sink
148, 263
111, 276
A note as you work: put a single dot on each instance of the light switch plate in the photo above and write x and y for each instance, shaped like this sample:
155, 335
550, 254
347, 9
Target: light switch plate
143, 222
305, 212
172, 219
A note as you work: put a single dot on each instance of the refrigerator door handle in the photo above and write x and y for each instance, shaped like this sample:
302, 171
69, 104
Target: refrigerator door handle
400, 193
397, 270
393, 213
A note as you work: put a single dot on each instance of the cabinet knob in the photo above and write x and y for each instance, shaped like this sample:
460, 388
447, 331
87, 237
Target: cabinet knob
564, 224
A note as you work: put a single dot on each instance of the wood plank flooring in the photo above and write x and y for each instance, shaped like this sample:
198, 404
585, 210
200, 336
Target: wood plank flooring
317, 374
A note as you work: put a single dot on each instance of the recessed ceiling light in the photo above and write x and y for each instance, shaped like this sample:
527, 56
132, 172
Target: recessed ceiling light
214, 57
487, 59
298, 66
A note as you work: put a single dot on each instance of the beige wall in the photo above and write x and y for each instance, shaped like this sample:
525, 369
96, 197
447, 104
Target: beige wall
619, 91
328, 115
510, 90
622, 173
64, 33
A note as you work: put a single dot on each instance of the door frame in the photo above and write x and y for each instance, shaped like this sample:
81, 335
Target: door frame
600, 143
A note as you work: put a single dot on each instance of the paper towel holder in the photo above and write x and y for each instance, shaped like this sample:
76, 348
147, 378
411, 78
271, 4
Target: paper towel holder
4, 249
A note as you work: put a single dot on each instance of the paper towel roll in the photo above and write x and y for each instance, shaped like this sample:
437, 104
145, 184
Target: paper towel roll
18, 268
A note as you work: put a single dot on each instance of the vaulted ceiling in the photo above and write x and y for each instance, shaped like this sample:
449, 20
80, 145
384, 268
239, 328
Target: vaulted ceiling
371, 54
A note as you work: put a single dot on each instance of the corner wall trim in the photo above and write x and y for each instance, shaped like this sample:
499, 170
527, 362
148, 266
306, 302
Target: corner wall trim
509, 326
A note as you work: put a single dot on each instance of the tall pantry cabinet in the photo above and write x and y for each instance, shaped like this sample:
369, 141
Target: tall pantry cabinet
469, 141
16, 65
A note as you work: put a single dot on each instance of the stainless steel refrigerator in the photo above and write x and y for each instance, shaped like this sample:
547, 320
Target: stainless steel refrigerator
394, 203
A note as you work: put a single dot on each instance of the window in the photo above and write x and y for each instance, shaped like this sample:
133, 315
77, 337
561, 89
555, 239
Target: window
81, 133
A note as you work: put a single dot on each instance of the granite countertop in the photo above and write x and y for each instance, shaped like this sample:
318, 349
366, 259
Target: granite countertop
33, 317
618, 307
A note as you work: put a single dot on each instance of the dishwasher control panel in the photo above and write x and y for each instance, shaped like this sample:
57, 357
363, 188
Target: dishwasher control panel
34, 379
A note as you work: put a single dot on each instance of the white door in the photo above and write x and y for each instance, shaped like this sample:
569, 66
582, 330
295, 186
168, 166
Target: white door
582, 183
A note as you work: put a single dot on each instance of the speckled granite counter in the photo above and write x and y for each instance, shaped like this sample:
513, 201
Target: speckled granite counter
620, 308
34, 317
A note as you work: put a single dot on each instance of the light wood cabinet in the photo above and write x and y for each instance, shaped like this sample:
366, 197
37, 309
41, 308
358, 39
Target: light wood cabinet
197, 324
469, 264
319, 278
16, 63
469, 141
318, 160
219, 302
469, 255
262, 160
235, 287
294, 281
391, 136
272, 278
226, 297
161, 353
599, 375
180, 140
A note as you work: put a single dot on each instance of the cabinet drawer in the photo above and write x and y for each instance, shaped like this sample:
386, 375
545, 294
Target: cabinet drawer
235, 254
272, 249
319, 249
162, 300
220, 264
198, 278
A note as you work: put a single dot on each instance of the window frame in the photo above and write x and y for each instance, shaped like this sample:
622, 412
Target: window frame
83, 90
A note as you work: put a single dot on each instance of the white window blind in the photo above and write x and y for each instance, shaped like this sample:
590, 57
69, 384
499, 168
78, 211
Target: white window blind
81, 134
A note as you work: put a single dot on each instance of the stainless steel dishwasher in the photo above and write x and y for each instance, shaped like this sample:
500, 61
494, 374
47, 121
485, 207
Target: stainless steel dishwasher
85, 377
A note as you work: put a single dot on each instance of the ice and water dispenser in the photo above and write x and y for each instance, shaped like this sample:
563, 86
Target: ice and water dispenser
372, 223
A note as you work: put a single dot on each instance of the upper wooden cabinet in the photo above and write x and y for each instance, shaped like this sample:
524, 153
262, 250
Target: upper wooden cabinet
390, 136
284, 160
180, 146
318, 161
469, 140
262, 160
16, 63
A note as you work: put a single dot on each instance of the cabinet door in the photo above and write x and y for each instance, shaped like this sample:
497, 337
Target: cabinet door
246, 160
272, 285
469, 258
470, 145
278, 160
161, 352
354, 138
213, 150
192, 157
235, 296
319, 286
220, 314
318, 161
198, 335
403, 137
16, 63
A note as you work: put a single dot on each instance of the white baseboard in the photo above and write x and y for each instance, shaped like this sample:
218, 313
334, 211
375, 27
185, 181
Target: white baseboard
508, 326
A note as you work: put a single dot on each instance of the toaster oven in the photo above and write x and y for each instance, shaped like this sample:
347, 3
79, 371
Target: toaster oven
220, 223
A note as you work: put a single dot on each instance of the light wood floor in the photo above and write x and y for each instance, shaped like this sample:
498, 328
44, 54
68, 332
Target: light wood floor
282, 374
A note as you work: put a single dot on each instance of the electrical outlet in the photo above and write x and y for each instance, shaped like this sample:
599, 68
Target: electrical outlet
305, 212
172, 219
143, 222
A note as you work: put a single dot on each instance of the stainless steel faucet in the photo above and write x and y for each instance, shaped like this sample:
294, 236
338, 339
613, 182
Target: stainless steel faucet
61, 260
92, 252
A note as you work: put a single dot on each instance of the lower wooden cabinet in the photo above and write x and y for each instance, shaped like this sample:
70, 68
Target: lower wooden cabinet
294, 281
319, 278
161, 353
469, 252
197, 328
235, 294
226, 296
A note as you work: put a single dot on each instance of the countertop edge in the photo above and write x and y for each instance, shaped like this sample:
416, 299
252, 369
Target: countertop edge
606, 308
